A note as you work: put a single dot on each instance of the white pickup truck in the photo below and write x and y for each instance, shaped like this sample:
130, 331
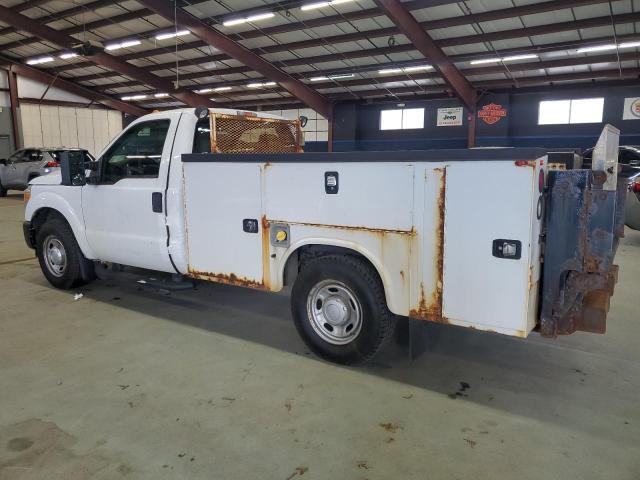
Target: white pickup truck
490, 239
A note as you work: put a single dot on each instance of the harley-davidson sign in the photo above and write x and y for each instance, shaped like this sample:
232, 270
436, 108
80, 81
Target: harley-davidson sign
492, 113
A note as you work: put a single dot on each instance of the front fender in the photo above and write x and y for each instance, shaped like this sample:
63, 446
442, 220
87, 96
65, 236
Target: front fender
67, 201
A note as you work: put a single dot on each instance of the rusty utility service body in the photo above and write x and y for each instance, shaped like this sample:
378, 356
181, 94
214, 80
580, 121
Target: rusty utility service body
490, 239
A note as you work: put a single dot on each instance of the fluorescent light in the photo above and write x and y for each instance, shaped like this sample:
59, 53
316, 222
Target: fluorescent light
222, 89
134, 97
485, 60
314, 5
166, 35
340, 76
68, 55
205, 90
260, 16
250, 18
598, 48
520, 57
261, 84
39, 60
161, 95
512, 58
311, 6
416, 68
122, 44
629, 44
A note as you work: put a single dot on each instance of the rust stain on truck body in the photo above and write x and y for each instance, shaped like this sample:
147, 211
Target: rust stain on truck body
431, 308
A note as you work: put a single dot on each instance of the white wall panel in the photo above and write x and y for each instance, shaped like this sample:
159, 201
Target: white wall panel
50, 126
100, 130
68, 127
84, 119
31, 125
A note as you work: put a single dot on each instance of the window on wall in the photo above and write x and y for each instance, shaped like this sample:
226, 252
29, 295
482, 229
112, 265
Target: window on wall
402, 119
564, 112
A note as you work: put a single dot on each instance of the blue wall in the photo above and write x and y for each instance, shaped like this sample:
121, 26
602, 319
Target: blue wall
356, 126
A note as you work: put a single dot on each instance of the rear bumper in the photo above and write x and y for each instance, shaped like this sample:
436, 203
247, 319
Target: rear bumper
29, 236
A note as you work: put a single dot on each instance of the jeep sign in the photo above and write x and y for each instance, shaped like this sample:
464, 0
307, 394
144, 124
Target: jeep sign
449, 117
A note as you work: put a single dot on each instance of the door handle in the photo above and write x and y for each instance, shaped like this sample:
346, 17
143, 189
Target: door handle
156, 202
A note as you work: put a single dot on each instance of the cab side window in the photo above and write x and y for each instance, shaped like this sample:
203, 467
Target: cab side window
137, 153
202, 136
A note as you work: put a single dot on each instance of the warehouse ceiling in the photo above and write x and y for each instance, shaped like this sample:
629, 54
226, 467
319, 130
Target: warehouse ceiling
334, 49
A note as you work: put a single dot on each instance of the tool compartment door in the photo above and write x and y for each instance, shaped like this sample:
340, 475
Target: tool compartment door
487, 202
219, 197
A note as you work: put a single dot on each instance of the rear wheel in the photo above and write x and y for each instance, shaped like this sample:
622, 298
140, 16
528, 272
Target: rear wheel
60, 257
339, 309
3, 191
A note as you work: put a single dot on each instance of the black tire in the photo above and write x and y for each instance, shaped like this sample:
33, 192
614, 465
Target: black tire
362, 281
78, 270
3, 191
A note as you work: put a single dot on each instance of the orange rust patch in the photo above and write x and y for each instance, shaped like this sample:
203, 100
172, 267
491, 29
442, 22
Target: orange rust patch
525, 163
432, 309
383, 231
227, 279
266, 258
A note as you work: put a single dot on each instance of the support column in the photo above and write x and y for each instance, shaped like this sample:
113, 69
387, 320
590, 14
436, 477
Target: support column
471, 131
14, 100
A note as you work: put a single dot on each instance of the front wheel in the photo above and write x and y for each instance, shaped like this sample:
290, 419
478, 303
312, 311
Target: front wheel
339, 309
59, 255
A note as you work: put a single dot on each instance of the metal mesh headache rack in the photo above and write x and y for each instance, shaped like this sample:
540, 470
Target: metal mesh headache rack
253, 134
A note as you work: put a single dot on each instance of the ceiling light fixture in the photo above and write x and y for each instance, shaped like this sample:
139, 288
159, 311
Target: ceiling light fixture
161, 95
328, 3
122, 44
68, 55
222, 89
485, 60
134, 97
340, 76
250, 18
205, 90
630, 44
416, 68
598, 48
261, 84
167, 35
513, 58
39, 60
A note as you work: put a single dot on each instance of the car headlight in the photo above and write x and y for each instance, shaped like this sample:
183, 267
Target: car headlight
26, 194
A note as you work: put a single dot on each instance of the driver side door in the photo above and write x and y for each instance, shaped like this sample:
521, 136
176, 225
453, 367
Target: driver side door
124, 212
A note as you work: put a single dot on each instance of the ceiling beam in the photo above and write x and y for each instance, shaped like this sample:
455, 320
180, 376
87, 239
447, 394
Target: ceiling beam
235, 50
423, 42
365, 53
492, 15
443, 43
71, 87
105, 60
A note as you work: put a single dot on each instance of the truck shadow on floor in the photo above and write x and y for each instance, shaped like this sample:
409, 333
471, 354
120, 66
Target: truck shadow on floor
550, 380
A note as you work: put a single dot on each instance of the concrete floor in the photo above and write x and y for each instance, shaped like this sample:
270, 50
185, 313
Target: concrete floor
215, 384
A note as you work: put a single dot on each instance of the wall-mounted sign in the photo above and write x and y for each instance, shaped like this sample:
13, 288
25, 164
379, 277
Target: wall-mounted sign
492, 113
449, 117
631, 109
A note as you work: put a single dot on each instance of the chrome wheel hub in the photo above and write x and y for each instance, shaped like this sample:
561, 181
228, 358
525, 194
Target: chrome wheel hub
55, 256
334, 312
